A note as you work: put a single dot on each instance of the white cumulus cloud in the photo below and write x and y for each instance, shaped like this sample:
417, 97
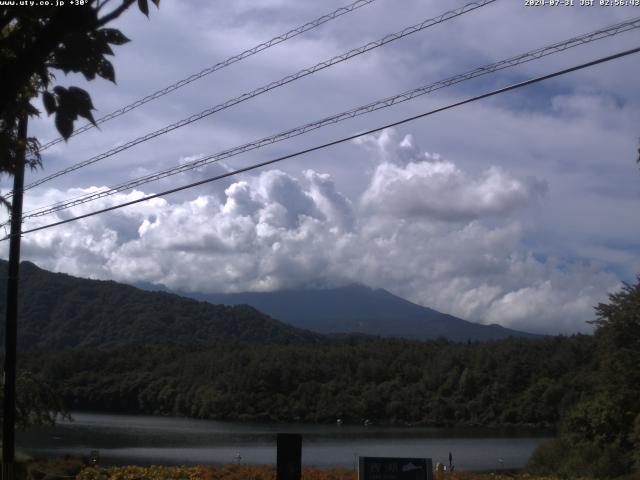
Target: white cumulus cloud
423, 228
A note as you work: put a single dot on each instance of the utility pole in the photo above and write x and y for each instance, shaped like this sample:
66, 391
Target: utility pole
11, 326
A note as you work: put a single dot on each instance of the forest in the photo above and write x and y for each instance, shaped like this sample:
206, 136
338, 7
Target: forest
391, 381
584, 387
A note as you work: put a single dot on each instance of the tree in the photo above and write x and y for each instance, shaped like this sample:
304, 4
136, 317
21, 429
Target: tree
600, 435
38, 403
618, 337
35, 41
603, 429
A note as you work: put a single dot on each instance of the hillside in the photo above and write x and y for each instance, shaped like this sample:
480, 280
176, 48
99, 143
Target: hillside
59, 311
393, 381
234, 363
357, 308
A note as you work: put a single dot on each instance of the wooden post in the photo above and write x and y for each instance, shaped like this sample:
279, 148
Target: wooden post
11, 326
289, 456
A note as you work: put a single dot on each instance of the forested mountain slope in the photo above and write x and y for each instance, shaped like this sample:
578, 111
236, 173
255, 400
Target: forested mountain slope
58, 311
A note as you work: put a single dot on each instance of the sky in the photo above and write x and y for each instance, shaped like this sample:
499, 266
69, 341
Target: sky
519, 210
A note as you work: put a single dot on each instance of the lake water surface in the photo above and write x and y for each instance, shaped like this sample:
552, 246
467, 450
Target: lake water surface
124, 439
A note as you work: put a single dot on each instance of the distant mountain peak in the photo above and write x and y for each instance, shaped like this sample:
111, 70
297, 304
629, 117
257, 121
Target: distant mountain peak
358, 308
61, 310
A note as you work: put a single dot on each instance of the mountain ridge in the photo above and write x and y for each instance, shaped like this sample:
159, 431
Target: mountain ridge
357, 309
58, 311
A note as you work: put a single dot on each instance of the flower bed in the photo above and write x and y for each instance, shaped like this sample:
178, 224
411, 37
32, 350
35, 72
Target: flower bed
262, 472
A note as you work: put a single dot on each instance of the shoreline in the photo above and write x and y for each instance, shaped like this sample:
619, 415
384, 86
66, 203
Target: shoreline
546, 428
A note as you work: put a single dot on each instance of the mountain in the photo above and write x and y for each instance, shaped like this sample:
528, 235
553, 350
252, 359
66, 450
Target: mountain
357, 308
58, 311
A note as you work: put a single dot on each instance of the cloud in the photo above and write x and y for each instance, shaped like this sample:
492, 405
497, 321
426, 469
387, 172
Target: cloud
527, 218
409, 184
334, 206
423, 228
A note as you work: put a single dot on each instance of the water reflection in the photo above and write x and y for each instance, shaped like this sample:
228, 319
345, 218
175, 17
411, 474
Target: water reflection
123, 439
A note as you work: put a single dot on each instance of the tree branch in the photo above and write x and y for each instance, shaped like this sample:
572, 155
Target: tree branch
115, 13
101, 4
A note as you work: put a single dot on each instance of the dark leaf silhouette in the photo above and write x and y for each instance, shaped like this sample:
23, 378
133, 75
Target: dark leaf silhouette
64, 124
144, 7
49, 102
105, 70
41, 40
113, 36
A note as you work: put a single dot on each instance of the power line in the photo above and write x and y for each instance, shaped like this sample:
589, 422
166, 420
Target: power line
266, 88
510, 62
336, 142
218, 66
380, 104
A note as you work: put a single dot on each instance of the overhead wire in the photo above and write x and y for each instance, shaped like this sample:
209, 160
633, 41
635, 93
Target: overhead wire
336, 142
377, 105
218, 66
266, 88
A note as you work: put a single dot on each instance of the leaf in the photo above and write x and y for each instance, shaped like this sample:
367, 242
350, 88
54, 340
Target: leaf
98, 44
32, 111
44, 76
89, 74
103, 48
72, 102
106, 71
33, 157
156, 3
81, 97
88, 115
82, 56
80, 103
113, 36
144, 7
64, 124
49, 102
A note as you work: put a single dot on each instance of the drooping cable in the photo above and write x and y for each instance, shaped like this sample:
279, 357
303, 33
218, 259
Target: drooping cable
336, 142
378, 105
218, 66
266, 88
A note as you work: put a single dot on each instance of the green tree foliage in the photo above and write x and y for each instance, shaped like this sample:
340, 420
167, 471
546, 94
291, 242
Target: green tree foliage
37, 401
601, 434
60, 311
113, 347
37, 40
618, 338
353, 378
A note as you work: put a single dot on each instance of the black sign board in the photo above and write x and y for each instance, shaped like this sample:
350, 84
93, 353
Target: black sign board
383, 468
289, 456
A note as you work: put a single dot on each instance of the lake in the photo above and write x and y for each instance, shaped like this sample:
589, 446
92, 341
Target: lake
137, 439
